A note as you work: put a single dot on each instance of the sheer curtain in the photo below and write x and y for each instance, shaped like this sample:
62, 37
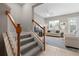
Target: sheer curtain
73, 25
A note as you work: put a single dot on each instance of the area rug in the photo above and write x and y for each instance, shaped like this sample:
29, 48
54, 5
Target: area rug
58, 42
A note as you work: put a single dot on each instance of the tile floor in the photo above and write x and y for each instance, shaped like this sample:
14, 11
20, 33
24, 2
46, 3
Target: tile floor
52, 50
56, 51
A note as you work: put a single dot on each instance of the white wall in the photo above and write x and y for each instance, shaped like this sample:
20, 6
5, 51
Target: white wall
22, 15
65, 18
39, 19
3, 18
16, 12
26, 19
61, 19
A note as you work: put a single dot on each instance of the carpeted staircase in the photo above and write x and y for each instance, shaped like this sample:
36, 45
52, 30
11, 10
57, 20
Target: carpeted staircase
29, 46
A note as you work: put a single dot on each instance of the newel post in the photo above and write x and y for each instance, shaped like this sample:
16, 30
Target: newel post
6, 12
44, 38
18, 31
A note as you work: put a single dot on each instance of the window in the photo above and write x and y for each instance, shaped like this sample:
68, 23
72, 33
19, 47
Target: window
72, 25
54, 25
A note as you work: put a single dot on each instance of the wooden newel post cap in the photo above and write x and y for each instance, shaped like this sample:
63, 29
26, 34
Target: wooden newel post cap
6, 12
18, 28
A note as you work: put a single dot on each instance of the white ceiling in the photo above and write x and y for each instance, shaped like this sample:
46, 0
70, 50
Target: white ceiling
56, 9
21, 4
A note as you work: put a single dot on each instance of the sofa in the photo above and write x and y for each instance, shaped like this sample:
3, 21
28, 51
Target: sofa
55, 33
71, 41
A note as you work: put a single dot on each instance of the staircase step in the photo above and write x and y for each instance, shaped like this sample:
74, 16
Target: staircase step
25, 36
33, 51
26, 40
25, 48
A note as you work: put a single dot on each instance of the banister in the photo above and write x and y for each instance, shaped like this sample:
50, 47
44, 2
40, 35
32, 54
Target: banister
37, 24
43, 32
10, 18
18, 30
38, 37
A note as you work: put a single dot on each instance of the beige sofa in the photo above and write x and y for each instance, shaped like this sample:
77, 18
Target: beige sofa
71, 41
54, 34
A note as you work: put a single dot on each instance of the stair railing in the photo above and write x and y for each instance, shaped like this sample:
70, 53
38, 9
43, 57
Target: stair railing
43, 28
18, 30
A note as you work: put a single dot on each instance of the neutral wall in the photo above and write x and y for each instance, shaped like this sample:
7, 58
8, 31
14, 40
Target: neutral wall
3, 18
39, 19
16, 12
3, 27
0, 24
22, 15
65, 18
61, 19
26, 19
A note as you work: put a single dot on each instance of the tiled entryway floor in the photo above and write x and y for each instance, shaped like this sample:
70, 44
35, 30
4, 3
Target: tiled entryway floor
56, 51
57, 48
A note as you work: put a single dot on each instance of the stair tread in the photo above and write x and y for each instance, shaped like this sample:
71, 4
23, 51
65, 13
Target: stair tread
27, 45
24, 36
25, 33
29, 38
32, 51
26, 40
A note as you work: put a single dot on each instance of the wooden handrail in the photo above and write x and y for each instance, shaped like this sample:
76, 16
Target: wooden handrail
37, 24
18, 30
10, 18
38, 37
43, 30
